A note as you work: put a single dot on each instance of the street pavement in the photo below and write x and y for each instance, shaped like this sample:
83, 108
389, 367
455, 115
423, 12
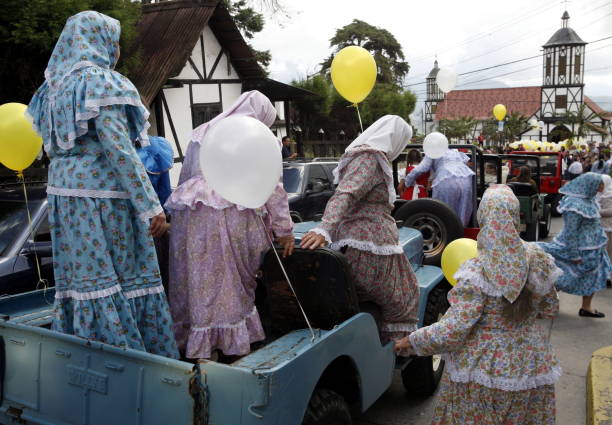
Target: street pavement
574, 339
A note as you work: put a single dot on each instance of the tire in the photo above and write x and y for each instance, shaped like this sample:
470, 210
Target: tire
532, 232
327, 408
422, 375
546, 222
554, 204
436, 221
296, 217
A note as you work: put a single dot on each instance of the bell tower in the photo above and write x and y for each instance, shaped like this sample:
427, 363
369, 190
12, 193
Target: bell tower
563, 73
433, 94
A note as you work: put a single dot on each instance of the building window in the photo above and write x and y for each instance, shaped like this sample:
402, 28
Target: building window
562, 65
548, 66
204, 112
433, 108
577, 64
561, 101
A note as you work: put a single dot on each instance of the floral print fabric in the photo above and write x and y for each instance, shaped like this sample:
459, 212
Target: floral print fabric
580, 195
474, 404
358, 217
79, 81
214, 256
501, 254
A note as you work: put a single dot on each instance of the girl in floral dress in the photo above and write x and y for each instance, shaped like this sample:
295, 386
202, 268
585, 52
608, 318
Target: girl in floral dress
107, 281
500, 365
358, 218
216, 248
580, 248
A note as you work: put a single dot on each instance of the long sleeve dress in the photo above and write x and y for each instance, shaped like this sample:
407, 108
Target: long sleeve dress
358, 218
108, 285
216, 250
452, 183
497, 371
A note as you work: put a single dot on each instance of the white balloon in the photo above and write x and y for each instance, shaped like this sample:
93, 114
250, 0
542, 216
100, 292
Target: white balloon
435, 145
446, 79
241, 161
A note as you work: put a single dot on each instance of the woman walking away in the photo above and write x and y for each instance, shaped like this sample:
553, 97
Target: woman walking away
500, 365
216, 248
600, 166
580, 248
107, 280
452, 183
358, 218
419, 189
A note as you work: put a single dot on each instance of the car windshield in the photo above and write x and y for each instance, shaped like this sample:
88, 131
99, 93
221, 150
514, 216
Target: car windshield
292, 179
13, 221
548, 164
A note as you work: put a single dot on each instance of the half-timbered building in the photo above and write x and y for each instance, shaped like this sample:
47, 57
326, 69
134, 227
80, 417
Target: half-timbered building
194, 64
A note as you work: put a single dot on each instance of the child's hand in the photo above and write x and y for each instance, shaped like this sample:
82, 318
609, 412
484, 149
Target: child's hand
403, 347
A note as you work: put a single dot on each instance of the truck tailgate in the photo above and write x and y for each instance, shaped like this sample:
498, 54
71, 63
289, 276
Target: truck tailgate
52, 378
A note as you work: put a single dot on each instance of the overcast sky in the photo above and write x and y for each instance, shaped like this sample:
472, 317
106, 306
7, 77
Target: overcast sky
465, 34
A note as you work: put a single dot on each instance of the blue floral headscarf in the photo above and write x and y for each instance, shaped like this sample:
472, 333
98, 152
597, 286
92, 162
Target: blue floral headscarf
580, 195
79, 80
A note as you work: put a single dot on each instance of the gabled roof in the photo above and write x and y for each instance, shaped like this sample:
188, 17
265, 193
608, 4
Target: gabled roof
479, 104
593, 106
169, 30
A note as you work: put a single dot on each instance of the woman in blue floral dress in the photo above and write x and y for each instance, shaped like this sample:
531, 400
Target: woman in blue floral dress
580, 248
108, 286
500, 366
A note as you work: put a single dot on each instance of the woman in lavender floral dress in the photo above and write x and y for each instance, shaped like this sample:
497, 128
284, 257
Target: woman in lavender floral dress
216, 249
358, 218
500, 366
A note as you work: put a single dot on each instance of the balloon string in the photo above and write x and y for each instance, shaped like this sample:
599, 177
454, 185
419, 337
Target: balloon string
358, 116
280, 263
45, 282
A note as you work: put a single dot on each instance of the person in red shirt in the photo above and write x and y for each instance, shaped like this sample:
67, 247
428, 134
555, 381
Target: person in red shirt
418, 190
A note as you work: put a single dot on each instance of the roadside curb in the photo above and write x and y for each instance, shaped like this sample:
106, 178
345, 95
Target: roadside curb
599, 388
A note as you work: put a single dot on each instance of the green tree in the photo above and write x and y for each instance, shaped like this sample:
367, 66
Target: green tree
387, 99
313, 113
249, 22
387, 51
515, 125
29, 30
460, 128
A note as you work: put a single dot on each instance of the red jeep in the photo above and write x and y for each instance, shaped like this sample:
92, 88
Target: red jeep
551, 178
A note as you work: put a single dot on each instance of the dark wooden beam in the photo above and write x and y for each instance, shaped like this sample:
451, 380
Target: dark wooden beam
195, 68
214, 67
209, 81
176, 140
159, 115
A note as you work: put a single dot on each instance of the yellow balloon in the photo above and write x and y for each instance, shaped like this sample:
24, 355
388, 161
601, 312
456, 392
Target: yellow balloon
499, 112
19, 143
353, 72
455, 254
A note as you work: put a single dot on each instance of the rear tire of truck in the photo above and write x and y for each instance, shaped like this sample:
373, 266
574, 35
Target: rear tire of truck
531, 234
327, 408
436, 221
546, 222
422, 375
554, 204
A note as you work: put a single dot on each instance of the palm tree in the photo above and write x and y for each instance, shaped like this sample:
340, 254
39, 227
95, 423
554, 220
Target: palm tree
459, 128
516, 124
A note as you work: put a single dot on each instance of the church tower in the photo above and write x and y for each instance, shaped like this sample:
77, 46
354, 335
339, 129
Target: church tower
563, 73
433, 94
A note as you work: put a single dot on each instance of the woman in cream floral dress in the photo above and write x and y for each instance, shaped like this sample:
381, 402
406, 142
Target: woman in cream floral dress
358, 220
500, 365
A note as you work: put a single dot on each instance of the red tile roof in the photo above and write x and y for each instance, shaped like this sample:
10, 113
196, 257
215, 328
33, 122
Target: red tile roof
479, 104
593, 106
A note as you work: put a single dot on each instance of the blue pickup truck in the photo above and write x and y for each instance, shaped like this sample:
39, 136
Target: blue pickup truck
294, 378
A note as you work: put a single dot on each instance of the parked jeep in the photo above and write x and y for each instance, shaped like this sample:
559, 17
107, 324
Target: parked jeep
296, 377
309, 185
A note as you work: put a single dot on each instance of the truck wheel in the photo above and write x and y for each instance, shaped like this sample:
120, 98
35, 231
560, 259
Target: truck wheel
546, 222
327, 408
296, 217
532, 232
422, 375
554, 204
436, 221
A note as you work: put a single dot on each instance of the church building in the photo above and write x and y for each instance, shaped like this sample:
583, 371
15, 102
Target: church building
561, 92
